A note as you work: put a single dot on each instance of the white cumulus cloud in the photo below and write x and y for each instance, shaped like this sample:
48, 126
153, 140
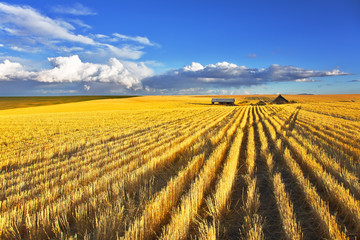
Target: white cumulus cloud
13, 70
72, 69
193, 67
129, 76
224, 74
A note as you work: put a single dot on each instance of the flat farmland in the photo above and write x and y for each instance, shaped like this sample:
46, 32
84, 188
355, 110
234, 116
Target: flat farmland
177, 167
22, 102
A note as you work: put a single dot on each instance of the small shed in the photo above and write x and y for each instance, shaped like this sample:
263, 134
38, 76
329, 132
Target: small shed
261, 103
279, 100
223, 101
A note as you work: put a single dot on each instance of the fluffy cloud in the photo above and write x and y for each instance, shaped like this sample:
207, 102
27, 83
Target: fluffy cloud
128, 76
224, 74
193, 67
13, 70
72, 69
76, 9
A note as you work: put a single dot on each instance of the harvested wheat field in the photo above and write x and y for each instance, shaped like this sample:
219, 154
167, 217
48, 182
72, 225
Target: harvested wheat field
181, 168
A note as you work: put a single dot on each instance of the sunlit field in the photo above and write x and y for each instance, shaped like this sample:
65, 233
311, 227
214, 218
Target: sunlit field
178, 167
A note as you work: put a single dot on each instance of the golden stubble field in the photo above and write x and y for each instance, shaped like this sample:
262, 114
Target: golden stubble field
178, 167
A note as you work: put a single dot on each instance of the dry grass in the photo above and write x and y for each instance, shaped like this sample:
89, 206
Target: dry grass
173, 167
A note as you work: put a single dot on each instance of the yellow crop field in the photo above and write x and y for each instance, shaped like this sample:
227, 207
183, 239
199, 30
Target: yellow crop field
177, 167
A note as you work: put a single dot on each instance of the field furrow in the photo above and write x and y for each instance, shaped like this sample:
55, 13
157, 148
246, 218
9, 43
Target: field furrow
99, 157
218, 202
320, 209
98, 165
331, 165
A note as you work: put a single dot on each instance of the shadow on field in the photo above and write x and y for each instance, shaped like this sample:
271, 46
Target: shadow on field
209, 104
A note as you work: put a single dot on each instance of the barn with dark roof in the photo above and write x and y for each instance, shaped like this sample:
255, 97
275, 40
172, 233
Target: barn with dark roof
279, 100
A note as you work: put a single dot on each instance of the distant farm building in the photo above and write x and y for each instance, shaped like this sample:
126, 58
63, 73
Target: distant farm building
260, 103
223, 101
279, 100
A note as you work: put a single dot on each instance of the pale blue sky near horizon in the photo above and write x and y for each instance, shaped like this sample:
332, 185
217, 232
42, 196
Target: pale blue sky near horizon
179, 47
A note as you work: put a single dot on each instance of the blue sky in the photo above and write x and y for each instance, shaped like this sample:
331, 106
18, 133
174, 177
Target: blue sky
179, 47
